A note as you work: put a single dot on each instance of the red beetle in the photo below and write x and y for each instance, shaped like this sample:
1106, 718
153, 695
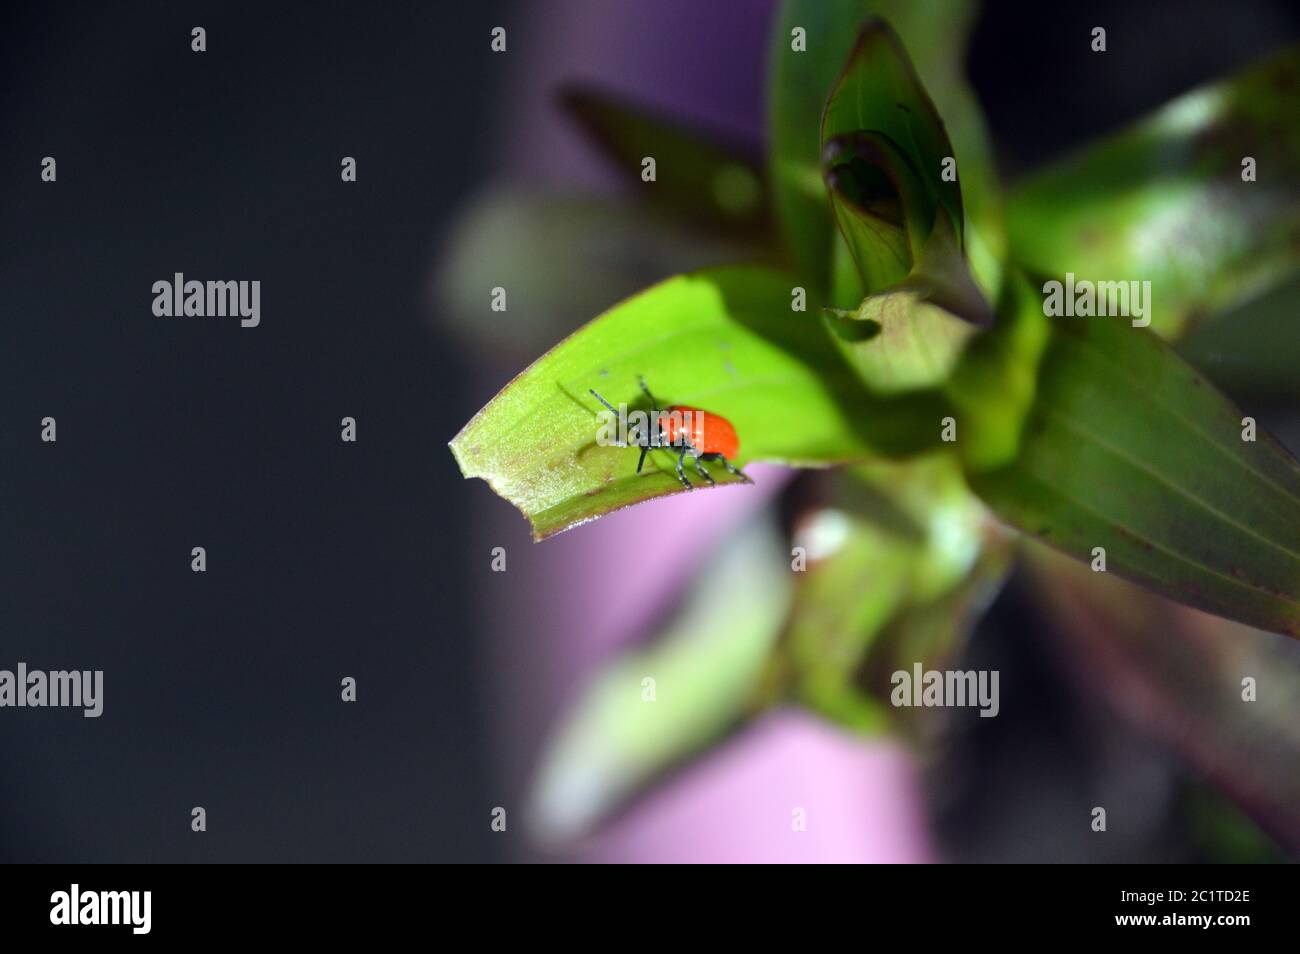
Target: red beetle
700, 435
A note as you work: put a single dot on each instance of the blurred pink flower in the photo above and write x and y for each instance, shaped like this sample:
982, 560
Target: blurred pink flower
859, 802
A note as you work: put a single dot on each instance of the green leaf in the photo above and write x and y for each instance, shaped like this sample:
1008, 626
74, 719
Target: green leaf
880, 93
1129, 449
705, 665
900, 240
935, 35
910, 334
706, 178
884, 151
993, 388
899, 342
878, 206
1165, 201
799, 83
724, 340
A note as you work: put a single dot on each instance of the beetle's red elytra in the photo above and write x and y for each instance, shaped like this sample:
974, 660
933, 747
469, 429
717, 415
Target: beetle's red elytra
690, 431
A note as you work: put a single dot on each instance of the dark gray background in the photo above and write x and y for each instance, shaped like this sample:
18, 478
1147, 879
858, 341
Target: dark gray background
325, 559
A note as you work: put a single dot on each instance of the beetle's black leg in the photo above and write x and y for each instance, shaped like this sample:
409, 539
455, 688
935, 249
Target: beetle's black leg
699, 469
730, 467
644, 451
681, 475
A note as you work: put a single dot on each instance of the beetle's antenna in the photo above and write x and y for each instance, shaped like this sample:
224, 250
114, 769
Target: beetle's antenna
613, 410
654, 405
603, 401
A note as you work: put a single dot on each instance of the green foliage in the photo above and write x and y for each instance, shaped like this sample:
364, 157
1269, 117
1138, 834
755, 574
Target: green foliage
918, 319
935, 35
1129, 449
1165, 201
1082, 432
880, 96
